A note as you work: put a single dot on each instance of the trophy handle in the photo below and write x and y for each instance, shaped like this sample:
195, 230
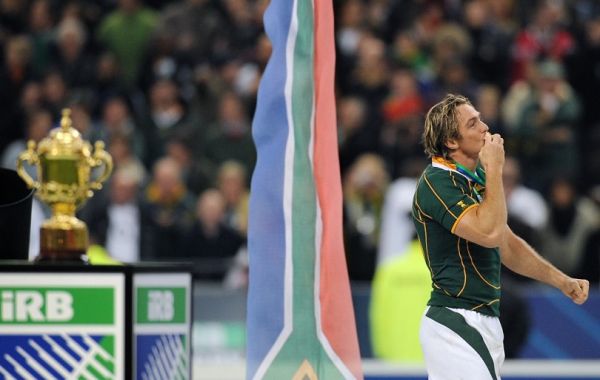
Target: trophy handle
31, 157
100, 157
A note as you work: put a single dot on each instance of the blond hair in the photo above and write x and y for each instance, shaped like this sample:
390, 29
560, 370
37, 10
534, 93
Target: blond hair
441, 125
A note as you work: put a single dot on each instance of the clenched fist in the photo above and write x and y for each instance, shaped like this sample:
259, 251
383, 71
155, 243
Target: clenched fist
576, 289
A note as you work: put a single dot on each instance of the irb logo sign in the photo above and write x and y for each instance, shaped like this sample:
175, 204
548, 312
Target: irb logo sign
35, 306
161, 305
83, 305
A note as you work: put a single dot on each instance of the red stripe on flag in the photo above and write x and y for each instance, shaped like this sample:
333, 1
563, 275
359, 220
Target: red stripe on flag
337, 313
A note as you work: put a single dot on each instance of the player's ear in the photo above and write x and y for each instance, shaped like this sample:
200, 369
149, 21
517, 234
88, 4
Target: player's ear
451, 144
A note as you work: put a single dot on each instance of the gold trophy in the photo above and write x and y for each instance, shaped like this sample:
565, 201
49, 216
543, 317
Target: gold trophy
64, 163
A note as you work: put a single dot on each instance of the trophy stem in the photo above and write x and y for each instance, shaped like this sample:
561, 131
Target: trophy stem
64, 208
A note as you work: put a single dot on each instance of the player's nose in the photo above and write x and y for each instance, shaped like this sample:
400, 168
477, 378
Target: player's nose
484, 127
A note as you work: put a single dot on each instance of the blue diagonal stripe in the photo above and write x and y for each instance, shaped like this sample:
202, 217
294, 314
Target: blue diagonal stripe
578, 315
548, 348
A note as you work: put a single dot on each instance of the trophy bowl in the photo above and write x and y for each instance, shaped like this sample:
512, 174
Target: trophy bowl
64, 164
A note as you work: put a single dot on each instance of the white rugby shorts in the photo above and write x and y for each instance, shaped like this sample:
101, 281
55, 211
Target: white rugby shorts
460, 344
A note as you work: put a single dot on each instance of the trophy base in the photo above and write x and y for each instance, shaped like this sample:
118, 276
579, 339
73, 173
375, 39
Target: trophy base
62, 257
63, 245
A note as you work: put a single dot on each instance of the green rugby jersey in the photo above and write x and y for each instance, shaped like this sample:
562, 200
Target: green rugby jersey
464, 275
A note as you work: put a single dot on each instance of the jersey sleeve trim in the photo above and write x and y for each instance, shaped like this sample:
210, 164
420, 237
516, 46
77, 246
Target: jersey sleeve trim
461, 215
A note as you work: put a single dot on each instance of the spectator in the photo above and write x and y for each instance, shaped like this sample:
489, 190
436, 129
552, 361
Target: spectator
181, 23
450, 43
118, 119
351, 29
355, 138
135, 21
108, 82
196, 174
12, 17
167, 211
230, 138
244, 28
41, 27
573, 218
586, 80
368, 78
232, 183
407, 52
72, 59
365, 185
545, 126
39, 123
31, 100
167, 115
543, 37
453, 77
120, 148
14, 74
31, 97
55, 92
82, 120
524, 204
487, 102
209, 242
490, 55
114, 220
400, 136
404, 99
397, 228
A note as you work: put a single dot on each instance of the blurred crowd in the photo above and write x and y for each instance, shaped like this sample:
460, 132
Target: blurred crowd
530, 67
170, 87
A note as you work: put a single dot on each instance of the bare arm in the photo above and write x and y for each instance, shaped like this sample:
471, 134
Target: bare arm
521, 258
485, 224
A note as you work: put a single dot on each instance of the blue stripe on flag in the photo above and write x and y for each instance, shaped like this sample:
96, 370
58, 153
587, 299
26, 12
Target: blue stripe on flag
266, 234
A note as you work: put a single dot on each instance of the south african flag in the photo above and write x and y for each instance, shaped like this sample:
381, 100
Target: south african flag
300, 317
